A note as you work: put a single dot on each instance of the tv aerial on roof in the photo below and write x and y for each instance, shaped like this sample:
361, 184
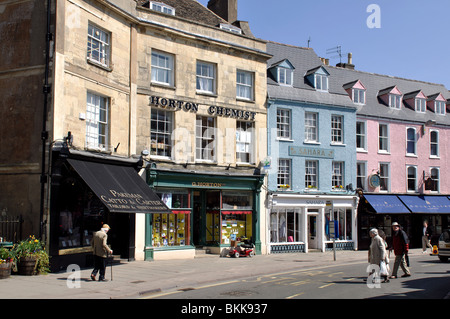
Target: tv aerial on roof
336, 50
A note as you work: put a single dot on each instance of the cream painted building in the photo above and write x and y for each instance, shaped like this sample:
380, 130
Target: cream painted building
169, 89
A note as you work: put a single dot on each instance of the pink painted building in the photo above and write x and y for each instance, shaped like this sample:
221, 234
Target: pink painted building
403, 152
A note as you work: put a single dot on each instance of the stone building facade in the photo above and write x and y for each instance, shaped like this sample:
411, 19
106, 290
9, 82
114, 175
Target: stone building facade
141, 85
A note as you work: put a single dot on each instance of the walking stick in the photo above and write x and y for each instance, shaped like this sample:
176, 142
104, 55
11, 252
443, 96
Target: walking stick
111, 267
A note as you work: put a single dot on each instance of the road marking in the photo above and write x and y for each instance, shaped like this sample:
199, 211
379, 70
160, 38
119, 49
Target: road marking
296, 295
327, 285
335, 273
218, 284
161, 294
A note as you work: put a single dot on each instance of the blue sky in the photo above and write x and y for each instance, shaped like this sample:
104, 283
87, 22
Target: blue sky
412, 41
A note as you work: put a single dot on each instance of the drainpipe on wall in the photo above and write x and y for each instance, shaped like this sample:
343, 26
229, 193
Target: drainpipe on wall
44, 133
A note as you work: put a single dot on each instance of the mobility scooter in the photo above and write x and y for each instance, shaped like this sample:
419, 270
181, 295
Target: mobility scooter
247, 249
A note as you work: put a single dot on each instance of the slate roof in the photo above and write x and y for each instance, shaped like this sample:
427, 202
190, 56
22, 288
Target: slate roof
305, 59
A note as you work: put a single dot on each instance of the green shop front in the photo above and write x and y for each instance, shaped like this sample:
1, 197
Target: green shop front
208, 210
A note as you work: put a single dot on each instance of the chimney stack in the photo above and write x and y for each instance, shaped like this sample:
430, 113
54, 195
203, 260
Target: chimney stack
348, 65
226, 9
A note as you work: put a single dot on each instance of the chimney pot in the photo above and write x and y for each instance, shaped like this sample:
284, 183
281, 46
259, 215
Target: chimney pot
350, 58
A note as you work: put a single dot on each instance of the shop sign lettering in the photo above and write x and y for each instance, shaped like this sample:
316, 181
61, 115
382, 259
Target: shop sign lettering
173, 104
207, 184
130, 201
193, 107
311, 152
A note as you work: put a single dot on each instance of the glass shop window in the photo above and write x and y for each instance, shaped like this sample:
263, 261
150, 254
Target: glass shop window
81, 214
172, 229
342, 221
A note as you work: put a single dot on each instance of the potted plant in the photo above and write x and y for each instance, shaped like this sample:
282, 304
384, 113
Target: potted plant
6, 261
31, 257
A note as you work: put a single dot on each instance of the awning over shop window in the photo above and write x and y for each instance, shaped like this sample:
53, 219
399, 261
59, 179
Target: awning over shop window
387, 204
120, 188
181, 211
427, 204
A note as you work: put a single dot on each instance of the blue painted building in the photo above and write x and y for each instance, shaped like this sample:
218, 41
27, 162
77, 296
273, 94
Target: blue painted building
312, 151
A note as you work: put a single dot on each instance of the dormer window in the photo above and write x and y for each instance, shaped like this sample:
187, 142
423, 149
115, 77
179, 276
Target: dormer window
230, 28
285, 76
162, 7
395, 101
436, 103
356, 91
421, 105
283, 72
321, 82
318, 77
439, 107
359, 96
392, 97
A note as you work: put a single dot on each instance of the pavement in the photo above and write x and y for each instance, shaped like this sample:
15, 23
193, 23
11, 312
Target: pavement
137, 279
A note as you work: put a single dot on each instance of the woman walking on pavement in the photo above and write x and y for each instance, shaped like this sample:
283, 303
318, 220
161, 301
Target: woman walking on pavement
377, 254
400, 244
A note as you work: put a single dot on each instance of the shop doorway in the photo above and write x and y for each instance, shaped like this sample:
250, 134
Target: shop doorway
206, 218
312, 231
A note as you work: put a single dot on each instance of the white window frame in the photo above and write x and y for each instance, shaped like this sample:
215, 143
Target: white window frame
380, 150
408, 178
163, 64
414, 141
421, 105
311, 174
283, 124
230, 28
284, 173
440, 107
337, 175
97, 125
206, 75
434, 143
161, 7
359, 96
438, 190
395, 101
361, 174
205, 134
386, 177
311, 127
321, 82
163, 118
337, 129
244, 141
362, 135
245, 85
99, 40
285, 76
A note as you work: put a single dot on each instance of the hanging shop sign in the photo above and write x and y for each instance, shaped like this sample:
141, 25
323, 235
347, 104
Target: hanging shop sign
193, 107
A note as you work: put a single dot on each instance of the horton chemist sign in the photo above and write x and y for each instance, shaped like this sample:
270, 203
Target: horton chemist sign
193, 107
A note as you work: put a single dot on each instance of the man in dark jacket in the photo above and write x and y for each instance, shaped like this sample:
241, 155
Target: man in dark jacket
400, 244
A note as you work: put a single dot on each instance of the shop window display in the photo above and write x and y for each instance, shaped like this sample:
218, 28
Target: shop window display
236, 216
172, 229
285, 226
342, 219
81, 213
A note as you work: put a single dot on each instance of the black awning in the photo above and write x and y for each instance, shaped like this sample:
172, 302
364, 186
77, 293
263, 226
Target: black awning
120, 188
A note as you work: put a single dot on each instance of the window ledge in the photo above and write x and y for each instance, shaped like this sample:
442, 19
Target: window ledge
242, 99
163, 85
105, 67
338, 144
284, 139
311, 143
